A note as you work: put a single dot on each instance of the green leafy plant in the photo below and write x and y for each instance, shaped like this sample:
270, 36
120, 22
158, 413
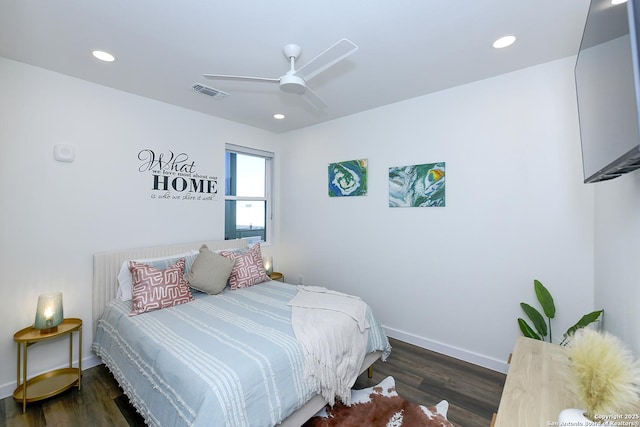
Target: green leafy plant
541, 327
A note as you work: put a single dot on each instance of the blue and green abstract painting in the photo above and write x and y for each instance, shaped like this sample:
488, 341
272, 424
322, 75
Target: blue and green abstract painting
417, 185
348, 178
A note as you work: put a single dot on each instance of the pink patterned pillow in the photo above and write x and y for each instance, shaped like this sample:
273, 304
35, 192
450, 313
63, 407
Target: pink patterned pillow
154, 288
248, 269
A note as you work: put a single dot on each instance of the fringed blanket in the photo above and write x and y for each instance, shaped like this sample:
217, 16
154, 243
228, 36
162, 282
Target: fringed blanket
332, 329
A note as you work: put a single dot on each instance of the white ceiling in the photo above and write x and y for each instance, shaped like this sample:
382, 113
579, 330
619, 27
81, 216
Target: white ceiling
407, 48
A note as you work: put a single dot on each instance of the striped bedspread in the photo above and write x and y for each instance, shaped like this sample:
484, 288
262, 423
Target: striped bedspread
222, 360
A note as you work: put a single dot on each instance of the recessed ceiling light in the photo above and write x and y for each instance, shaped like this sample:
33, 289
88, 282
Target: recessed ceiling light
278, 116
103, 56
504, 42
615, 2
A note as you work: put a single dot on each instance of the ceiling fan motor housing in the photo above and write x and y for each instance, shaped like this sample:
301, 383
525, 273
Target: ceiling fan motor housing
292, 84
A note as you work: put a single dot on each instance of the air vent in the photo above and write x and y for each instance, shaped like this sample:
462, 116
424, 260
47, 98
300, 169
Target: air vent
206, 90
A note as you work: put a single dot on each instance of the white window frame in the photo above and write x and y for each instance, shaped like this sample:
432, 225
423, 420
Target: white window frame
268, 182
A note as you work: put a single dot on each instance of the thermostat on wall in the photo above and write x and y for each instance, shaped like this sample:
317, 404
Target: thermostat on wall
63, 152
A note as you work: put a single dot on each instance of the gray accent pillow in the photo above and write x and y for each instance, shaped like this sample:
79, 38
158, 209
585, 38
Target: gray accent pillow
209, 272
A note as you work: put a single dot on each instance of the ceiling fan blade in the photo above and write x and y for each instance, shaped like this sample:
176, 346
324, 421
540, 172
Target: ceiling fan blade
314, 99
243, 78
326, 59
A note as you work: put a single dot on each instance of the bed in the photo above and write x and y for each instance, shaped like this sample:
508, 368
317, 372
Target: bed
229, 359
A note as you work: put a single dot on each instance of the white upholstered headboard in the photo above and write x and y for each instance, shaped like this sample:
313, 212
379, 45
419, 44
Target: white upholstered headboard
106, 266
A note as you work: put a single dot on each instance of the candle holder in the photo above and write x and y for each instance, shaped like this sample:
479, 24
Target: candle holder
49, 313
268, 264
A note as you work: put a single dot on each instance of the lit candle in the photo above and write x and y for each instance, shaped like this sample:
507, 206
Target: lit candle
48, 315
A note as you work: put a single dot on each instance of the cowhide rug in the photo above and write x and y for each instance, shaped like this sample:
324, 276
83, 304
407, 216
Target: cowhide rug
381, 406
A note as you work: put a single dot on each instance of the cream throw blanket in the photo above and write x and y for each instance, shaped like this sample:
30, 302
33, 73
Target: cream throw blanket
333, 330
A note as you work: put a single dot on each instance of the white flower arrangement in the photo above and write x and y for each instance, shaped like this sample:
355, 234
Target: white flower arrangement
606, 377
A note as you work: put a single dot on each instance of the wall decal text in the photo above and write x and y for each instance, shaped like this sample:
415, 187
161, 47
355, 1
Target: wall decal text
174, 176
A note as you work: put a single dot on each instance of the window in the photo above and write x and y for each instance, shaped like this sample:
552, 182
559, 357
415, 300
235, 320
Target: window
247, 194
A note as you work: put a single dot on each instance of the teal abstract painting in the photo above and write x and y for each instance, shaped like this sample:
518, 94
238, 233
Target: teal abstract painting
417, 185
348, 178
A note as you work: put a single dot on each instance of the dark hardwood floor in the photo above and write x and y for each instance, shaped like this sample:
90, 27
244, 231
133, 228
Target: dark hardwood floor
421, 376
425, 377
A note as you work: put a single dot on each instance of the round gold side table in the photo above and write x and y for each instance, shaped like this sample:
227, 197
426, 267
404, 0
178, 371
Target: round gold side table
53, 382
276, 276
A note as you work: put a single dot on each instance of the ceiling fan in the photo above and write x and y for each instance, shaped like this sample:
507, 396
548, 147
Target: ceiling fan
295, 81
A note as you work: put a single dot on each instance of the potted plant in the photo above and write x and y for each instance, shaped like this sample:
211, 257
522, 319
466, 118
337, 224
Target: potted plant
542, 327
605, 378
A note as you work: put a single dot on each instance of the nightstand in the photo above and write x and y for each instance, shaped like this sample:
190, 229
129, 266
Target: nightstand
53, 382
277, 276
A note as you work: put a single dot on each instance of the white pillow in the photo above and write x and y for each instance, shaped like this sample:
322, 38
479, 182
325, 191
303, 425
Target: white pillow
125, 281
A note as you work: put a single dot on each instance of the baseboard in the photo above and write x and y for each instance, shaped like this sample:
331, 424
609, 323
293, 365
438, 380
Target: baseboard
448, 350
6, 390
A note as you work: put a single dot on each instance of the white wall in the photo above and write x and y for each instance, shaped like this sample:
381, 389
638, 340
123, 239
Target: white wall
56, 215
617, 256
451, 278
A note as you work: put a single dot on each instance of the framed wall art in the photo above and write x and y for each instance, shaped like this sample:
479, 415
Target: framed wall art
417, 185
348, 178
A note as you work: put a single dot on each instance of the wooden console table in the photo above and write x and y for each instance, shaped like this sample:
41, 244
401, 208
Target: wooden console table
536, 388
